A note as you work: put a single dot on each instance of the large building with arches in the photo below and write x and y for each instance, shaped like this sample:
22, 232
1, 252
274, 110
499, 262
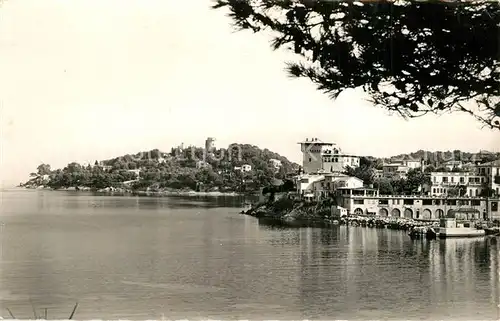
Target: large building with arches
366, 202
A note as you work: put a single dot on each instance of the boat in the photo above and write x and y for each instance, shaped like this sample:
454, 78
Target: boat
449, 227
492, 231
246, 207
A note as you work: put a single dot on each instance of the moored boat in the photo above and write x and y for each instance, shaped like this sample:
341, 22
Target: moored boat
449, 227
492, 231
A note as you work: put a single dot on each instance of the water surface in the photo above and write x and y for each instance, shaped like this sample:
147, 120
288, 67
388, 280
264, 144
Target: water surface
177, 257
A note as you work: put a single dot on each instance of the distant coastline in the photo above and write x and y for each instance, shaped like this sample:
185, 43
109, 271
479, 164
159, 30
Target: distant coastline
121, 191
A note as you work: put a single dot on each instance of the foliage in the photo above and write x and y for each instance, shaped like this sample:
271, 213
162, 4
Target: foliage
384, 186
415, 179
457, 191
365, 171
43, 169
161, 170
283, 204
412, 58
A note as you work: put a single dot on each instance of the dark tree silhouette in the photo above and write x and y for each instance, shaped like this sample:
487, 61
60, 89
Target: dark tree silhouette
411, 58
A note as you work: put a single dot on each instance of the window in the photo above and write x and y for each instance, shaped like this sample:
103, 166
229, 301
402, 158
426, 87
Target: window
383, 202
309, 159
427, 202
408, 202
494, 206
452, 179
434, 190
359, 202
445, 179
476, 202
462, 180
435, 179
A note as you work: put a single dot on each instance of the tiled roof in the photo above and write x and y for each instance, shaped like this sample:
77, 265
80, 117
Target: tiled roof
493, 163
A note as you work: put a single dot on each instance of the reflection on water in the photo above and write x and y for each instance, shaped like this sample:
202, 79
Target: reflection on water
196, 257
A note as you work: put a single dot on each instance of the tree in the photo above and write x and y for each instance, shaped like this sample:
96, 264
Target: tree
412, 58
365, 171
43, 169
415, 179
384, 186
429, 169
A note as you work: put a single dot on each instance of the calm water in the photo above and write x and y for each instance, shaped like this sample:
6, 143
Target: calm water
140, 258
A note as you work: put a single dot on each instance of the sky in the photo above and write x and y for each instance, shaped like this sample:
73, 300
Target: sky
86, 80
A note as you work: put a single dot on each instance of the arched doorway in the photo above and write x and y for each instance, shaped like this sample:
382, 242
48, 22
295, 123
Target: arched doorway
408, 213
450, 213
427, 214
383, 212
395, 212
358, 211
439, 213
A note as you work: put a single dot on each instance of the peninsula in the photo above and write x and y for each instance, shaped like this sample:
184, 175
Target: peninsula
239, 168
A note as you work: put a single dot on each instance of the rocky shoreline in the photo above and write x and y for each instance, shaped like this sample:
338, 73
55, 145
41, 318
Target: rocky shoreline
292, 211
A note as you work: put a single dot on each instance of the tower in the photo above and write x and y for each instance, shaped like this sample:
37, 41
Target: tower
210, 144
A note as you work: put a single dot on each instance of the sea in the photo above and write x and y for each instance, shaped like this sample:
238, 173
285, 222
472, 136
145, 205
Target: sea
197, 258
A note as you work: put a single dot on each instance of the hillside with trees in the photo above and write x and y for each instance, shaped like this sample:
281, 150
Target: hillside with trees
180, 169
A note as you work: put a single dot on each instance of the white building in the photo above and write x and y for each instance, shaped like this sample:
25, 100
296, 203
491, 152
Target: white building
276, 163
325, 184
443, 182
243, 168
491, 172
408, 161
485, 178
453, 164
394, 171
137, 172
318, 156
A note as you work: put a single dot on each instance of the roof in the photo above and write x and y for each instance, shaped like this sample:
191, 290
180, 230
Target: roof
493, 163
359, 188
405, 158
336, 174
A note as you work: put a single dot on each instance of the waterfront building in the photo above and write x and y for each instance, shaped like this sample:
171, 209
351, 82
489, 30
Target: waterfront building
319, 156
362, 201
324, 185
